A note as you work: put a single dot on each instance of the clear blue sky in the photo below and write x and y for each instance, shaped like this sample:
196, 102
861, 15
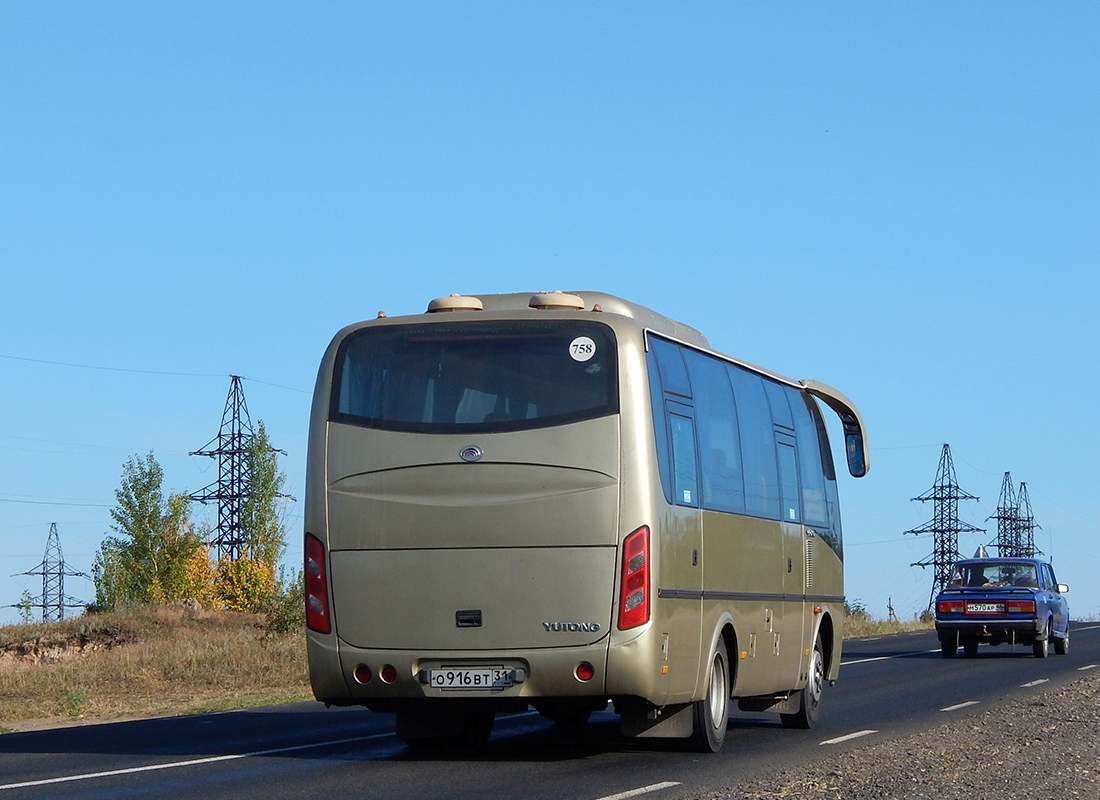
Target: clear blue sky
899, 199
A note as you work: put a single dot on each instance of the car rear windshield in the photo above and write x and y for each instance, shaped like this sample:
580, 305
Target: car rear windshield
993, 573
479, 376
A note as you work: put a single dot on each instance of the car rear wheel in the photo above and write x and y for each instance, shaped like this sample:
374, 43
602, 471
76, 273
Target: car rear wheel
1061, 645
970, 647
949, 646
1041, 647
711, 714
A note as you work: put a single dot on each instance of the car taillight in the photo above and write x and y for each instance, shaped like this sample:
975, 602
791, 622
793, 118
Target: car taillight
950, 606
1020, 606
634, 586
317, 618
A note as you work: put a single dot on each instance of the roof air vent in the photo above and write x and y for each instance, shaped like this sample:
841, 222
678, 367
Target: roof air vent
455, 302
556, 301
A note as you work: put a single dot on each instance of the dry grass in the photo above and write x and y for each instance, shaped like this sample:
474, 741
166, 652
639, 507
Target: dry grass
859, 626
159, 660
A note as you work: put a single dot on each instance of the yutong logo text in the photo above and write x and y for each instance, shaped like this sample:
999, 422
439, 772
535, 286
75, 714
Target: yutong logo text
571, 627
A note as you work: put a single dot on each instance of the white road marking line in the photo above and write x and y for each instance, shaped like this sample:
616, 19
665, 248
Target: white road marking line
961, 705
189, 763
1033, 683
1089, 628
847, 738
887, 658
656, 787
1090, 666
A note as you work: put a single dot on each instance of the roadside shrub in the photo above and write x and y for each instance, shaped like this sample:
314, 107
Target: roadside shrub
856, 609
286, 610
244, 584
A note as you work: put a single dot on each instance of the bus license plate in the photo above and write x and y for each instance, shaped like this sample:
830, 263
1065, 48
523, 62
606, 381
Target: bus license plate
985, 608
492, 678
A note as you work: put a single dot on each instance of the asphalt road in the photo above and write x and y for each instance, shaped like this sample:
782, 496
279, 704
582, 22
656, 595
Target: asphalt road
888, 687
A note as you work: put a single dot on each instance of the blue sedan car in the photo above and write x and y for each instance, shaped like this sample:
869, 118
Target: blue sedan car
1003, 600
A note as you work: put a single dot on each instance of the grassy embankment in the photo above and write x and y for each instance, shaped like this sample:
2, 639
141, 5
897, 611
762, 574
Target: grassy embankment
152, 661
165, 660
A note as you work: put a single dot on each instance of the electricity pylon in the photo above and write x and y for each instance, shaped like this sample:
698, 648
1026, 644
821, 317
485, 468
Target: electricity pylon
53, 601
1015, 522
945, 525
1026, 523
231, 490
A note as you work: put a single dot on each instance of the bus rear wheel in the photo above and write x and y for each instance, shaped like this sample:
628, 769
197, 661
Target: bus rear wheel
809, 706
711, 714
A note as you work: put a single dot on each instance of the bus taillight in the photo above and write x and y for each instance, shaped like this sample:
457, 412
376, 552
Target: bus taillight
634, 586
317, 618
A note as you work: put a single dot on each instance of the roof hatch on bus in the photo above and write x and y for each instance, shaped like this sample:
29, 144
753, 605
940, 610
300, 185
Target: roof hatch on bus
455, 302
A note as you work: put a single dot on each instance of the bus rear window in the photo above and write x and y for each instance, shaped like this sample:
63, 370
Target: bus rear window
483, 376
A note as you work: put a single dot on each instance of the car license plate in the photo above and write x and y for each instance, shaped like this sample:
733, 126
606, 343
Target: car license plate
463, 678
985, 608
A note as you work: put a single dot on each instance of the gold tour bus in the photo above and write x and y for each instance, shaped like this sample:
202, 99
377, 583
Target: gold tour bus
562, 500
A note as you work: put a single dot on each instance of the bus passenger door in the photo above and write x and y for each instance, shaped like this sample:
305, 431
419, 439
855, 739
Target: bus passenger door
796, 568
680, 558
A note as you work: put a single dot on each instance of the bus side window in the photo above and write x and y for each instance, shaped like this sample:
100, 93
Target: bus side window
777, 401
674, 377
684, 465
716, 429
754, 420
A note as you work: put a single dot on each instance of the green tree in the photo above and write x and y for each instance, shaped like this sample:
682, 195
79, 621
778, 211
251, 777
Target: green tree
261, 512
25, 604
147, 560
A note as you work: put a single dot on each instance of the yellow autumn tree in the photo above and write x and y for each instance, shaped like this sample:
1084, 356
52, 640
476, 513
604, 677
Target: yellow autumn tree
244, 584
198, 579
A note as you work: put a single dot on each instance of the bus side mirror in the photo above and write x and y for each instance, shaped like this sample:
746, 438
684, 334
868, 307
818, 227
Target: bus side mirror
855, 444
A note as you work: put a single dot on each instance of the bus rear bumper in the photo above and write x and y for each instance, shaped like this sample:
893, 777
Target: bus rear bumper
389, 680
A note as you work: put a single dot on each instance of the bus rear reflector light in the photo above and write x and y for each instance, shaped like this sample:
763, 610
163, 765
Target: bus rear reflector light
584, 672
634, 582
317, 616
362, 673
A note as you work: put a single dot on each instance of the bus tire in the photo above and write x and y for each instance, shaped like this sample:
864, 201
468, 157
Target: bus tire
711, 714
809, 697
